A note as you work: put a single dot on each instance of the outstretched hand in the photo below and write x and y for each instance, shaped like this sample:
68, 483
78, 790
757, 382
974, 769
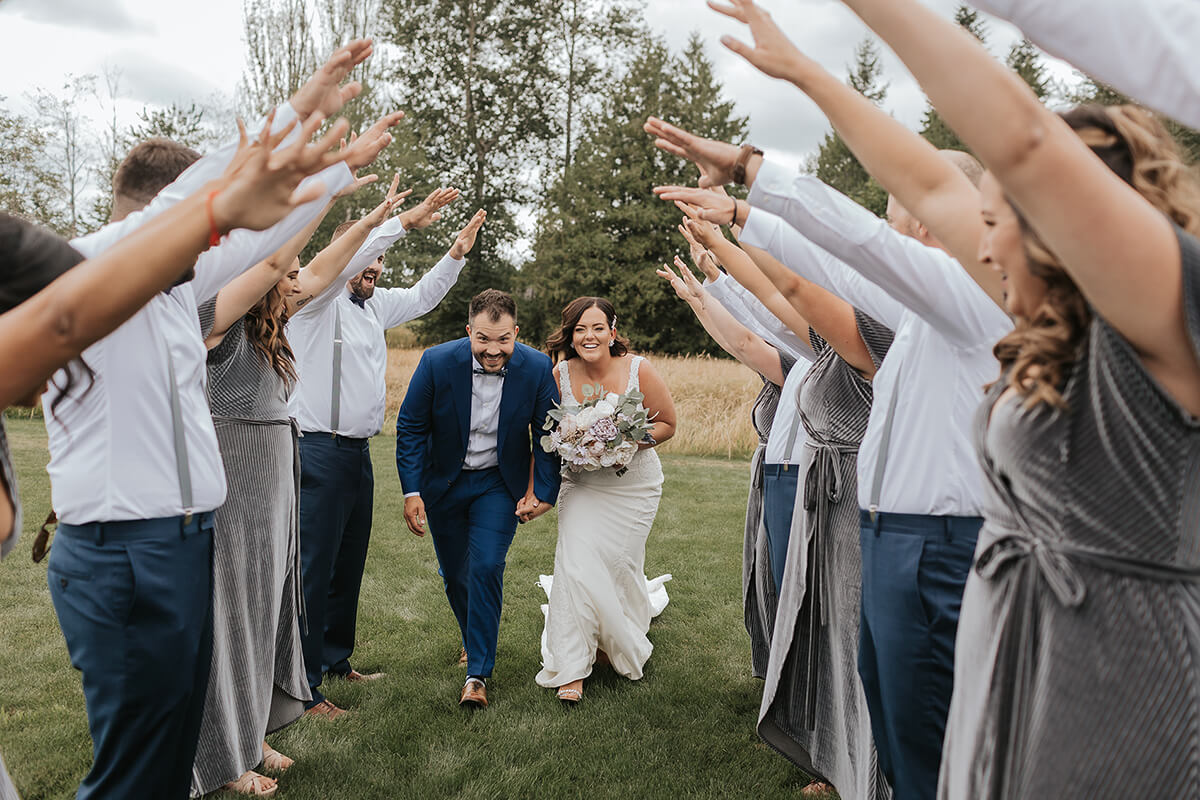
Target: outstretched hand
323, 93
715, 159
428, 211
689, 291
466, 237
364, 149
773, 53
261, 183
390, 201
707, 204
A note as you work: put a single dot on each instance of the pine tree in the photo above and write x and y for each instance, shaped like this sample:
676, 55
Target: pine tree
602, 232
833, 163
474, 79
1025, 60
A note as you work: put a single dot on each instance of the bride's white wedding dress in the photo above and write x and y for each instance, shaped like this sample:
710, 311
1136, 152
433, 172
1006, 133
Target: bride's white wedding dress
599, 595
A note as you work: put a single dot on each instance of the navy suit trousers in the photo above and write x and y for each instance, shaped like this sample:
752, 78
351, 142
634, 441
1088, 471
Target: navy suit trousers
472, 527
337, 496
134, 600
914, 569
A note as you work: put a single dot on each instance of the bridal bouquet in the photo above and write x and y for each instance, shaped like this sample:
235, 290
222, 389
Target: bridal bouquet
603, 432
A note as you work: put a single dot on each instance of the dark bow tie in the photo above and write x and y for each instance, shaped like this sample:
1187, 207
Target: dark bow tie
481, 371
358, 301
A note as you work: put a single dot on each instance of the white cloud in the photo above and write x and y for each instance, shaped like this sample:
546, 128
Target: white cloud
110, 16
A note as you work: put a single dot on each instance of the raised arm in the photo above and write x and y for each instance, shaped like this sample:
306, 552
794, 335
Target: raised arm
1144, 50
928, 185
90, 301
397, 306
1120, 250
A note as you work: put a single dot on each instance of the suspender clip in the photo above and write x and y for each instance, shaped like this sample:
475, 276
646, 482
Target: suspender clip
187, 516
874, 512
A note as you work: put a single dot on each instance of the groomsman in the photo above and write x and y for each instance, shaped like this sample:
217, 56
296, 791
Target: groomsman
136, 472
341, 359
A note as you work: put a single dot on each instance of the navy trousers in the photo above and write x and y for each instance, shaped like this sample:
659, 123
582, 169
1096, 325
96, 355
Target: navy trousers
779, 501
472, 528
337, 496
914, 568
134, 600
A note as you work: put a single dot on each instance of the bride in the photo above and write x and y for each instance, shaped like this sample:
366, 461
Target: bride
600, 602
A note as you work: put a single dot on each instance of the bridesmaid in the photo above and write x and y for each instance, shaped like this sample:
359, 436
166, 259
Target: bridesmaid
258, 682
599, 600
759, 600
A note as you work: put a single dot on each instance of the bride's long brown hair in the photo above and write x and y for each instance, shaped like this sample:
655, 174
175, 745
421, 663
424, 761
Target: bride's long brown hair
558, 344
264, 325
1038, 354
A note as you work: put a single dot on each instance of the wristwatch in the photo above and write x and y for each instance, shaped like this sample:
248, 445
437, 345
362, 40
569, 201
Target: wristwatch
739, 168
649, 439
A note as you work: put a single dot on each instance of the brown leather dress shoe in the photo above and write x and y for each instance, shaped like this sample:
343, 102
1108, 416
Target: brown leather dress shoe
358, 677
327, 710
474, 694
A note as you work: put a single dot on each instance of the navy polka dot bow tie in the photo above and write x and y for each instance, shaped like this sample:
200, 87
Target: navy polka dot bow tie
481, 371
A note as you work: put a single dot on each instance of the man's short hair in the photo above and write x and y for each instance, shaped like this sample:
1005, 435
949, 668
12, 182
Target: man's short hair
342, 228
150, 167
967, 163
494, 303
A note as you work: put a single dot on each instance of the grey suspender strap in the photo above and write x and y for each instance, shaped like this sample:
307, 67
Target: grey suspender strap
335, 400
885, 441
791, 440
181, 451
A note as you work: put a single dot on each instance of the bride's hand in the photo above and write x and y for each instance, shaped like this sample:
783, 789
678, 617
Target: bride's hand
530, 508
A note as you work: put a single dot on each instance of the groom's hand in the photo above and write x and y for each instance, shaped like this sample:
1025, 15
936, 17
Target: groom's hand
530, 508
414, 514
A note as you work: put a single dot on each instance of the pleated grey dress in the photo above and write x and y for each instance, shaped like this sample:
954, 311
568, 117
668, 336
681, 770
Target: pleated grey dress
813, 708
257, 684
759, 600
1077, 668
9, 474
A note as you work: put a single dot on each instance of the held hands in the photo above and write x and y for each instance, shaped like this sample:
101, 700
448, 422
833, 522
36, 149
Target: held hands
428, 211
323, 93
772, 52
466, 237
715, 159
414, 514
260, 184
530, 508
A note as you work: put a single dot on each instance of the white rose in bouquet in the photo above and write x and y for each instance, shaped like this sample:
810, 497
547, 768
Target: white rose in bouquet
612, 398
605, 408
568, 427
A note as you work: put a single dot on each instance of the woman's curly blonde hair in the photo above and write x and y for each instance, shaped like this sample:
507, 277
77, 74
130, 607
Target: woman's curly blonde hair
1037, 356
265, 322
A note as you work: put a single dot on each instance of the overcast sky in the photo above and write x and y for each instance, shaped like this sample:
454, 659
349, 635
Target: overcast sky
181, 51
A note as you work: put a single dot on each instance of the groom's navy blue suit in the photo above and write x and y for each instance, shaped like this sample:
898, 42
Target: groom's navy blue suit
471, 513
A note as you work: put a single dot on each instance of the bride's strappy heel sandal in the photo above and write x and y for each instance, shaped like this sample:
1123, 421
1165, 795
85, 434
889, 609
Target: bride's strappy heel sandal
253, 784
571, 693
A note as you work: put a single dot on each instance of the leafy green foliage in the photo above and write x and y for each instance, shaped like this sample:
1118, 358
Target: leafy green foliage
602, 233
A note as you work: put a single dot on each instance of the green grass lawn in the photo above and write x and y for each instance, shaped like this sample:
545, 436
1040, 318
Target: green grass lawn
685, 730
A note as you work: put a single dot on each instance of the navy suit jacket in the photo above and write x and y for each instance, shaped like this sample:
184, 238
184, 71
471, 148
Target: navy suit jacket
435, 422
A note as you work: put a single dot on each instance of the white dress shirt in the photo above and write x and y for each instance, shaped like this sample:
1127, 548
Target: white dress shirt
112, 448
941, 356
747, 309
486, 391
1143, 49
363, 388
787, 428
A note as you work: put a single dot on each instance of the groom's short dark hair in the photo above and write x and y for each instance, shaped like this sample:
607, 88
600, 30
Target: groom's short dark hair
494, 303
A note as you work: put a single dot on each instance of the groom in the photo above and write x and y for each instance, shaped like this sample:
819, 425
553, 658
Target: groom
465, 450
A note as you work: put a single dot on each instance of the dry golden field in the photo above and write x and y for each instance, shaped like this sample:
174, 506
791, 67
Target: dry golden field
712, 398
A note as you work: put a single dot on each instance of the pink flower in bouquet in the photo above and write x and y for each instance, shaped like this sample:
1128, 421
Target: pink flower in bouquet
605, 430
